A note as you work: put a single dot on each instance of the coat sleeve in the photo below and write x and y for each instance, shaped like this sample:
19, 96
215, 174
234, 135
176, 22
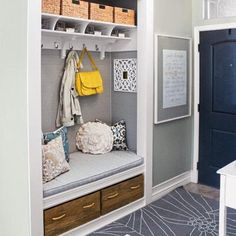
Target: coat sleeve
69, 110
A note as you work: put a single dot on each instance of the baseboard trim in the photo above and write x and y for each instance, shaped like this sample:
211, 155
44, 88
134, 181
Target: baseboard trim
194, 176
169, 185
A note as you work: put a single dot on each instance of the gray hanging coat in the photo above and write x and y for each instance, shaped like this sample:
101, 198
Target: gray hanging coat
69, 111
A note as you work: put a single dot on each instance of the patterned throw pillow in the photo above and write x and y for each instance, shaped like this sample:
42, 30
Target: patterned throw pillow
60, 132
94, 138
119, 135
54, 162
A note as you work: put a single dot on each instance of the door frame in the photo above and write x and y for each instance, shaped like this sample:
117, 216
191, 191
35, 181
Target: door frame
197, 31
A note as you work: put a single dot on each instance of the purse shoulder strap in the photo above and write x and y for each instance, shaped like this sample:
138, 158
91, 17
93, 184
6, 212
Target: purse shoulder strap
92, 62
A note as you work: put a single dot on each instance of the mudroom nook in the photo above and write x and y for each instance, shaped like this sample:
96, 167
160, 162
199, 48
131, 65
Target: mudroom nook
93, 186
118, 117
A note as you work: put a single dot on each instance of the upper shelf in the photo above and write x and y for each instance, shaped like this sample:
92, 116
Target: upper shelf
82, 25
81, 20
108, 40
46, 32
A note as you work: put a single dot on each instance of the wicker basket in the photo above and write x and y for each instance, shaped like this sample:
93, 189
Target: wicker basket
75, 8
124, 16
51, 6
101, 12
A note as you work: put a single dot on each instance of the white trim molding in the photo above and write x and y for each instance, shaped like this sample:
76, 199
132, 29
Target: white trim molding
197, 30
170, 185
34, 116
145, 90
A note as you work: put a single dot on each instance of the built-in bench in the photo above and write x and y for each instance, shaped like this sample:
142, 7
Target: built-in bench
73, 214
68, 212
87, 168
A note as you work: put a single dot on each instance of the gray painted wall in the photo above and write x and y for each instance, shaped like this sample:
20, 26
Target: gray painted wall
124, 105
108, 107
98, 106
172, 153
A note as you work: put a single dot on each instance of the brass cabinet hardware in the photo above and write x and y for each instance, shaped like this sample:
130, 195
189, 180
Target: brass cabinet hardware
113, 196
89, 206
58, 218
135, 187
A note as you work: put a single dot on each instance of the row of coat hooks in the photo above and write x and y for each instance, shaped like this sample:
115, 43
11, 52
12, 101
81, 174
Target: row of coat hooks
70, 47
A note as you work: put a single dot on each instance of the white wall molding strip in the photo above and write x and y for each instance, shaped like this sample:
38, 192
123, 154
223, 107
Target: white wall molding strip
170, 185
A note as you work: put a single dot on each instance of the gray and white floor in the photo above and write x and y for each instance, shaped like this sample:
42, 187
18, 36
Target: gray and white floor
192, 210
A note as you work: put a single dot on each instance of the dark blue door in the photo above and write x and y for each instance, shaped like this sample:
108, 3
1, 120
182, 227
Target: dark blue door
217, 103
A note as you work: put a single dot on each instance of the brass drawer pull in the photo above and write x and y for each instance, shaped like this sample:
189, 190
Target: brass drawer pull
58, 218
113, 196
89, 206
135, 187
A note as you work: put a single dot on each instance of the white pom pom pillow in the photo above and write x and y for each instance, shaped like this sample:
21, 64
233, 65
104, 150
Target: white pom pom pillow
94, 138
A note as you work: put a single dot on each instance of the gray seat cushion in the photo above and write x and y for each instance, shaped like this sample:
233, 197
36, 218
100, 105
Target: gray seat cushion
86, 168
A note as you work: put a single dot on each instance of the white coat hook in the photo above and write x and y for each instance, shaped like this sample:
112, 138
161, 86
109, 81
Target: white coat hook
63, 50
56, 45
71, 47
103, 53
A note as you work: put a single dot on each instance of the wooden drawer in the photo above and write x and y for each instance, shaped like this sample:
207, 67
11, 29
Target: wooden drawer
122, 194
72, 214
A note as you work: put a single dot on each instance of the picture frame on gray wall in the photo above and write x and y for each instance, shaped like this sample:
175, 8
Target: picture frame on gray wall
173, 78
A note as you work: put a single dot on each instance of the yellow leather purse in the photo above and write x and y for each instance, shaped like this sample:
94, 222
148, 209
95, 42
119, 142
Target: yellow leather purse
89, 82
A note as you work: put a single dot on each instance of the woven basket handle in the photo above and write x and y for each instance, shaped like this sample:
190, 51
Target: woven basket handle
102, 6
76, 2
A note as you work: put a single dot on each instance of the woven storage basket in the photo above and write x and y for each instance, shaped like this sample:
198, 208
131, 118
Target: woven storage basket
124, 16
75, 8
51, 6
101, 12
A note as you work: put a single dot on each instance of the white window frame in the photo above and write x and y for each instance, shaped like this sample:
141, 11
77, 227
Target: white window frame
207, 10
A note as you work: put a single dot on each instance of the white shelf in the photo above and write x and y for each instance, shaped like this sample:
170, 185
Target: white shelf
56, 18
49, 33
54, 39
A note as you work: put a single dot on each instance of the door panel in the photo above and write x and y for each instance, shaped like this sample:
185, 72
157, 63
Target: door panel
224, 84
218, 103
222, 141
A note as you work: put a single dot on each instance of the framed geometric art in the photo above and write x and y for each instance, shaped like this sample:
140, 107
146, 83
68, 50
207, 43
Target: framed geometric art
125, 75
